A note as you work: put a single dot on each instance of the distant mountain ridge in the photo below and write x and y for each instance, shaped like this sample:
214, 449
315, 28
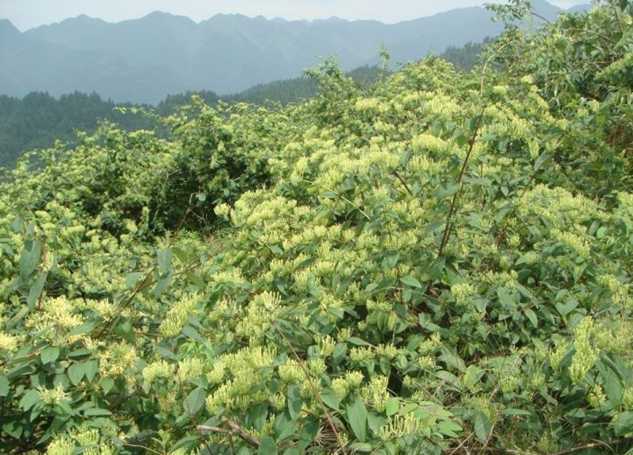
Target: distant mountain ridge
142, 60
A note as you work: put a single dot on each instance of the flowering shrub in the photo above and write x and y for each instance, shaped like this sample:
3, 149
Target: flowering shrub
438, 266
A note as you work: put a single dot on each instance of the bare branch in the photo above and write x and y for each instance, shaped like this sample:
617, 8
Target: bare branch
233, 429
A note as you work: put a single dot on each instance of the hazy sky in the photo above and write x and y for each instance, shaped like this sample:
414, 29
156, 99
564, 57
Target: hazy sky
30, 13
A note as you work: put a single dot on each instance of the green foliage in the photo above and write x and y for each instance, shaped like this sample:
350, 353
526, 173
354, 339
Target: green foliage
465, 57
584, 69
440, 263
38, 120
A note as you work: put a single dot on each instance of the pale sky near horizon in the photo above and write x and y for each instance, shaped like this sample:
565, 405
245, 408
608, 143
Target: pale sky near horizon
26, 14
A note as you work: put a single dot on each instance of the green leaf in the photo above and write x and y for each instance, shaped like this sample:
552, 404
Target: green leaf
106, 384
531, 315
30, 258
189, 443
161, 285
412, 282
447, 191
357, 417
284, 427
49, 354
4, 386
163, 258
192, 333
267, 446
449, 428
36, 289
90, 367
76, 373
362, 447
452, 360
389, 263
83, 328
17, 225
13, 429
611, 382
357, 341
565, 308
540, 161
294, 402
81, 352
375, 422
97, 412
512, 412
472, 376
392, 406
482, 425
30, 398
506, 297
330, 399
256, 416
132, 279
194, 401
623, 423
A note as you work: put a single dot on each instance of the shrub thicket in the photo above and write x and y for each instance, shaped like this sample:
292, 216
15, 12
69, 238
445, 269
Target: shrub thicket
439, 264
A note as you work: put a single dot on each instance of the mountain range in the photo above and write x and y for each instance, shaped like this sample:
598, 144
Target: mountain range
142, 60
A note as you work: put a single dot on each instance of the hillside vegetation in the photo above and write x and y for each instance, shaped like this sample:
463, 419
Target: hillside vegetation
39, 119
441, 263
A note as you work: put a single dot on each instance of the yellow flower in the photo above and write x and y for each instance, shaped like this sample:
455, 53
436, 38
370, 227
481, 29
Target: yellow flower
8, 342
61, 446
179, 314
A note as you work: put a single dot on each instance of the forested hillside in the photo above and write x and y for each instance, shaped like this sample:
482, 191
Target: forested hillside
441, 263
143, 60
38, 119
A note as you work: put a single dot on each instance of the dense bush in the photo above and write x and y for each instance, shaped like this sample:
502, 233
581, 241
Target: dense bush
38, 120
441, 265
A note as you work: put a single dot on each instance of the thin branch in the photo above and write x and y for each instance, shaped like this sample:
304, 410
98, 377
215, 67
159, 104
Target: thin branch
404, 183
460, 182
538, 16
145, 283
137, 446
461, 444
492, 429
593, 445
245, 435
345, 199
233, 429
314, 388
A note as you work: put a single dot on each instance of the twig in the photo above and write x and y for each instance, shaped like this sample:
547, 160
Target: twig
460, 182
345, 199
233, 429
404, 183
492, 428
538, 16
592, 445
471, 146
145, 283
461, 444
315, 389
137, 446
